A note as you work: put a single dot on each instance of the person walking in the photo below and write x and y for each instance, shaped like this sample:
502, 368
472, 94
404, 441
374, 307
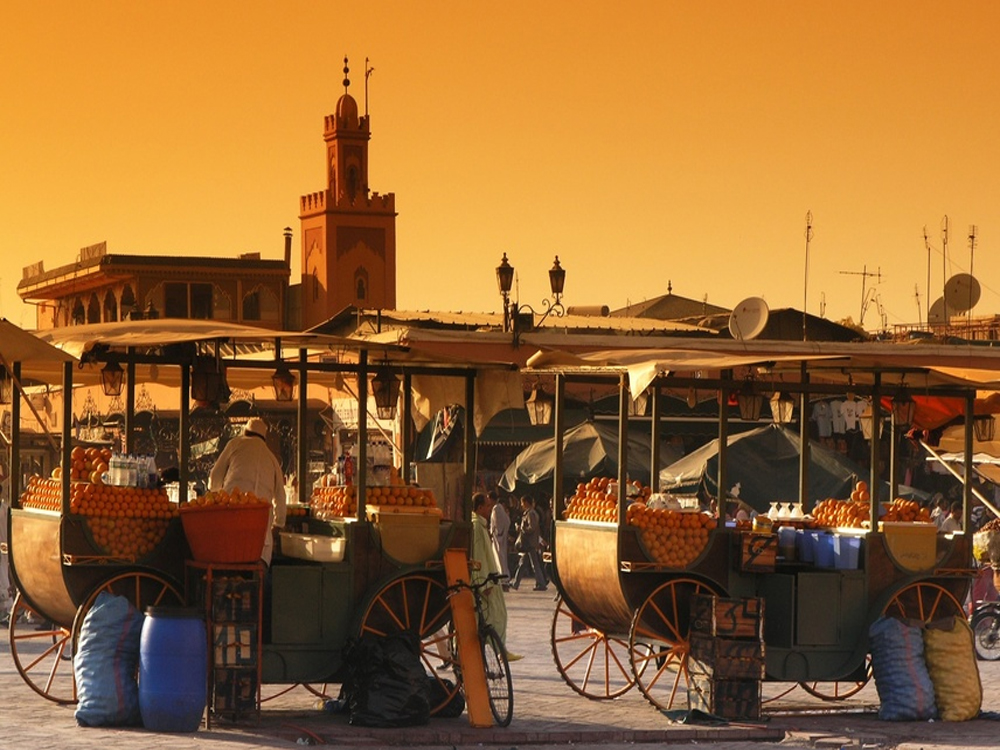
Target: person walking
529, 546
248, 463
499, 532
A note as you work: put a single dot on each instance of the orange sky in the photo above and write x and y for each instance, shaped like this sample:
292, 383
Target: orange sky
642, 142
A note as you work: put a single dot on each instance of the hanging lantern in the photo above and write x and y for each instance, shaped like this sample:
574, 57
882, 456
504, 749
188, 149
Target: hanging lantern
539, 405
904, 408
782, 407
112, 379
984, 426
749, 401
385, 389
6, 386
284, 383
208, 381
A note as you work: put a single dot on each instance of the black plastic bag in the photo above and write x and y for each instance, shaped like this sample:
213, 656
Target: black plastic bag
386, 683
438, 689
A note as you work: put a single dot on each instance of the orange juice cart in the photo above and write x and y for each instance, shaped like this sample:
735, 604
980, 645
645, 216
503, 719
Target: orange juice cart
352, 560
644, 590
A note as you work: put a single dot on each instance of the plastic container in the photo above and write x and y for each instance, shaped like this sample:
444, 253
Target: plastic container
313, 547
407, 536
226, 534
806, 542
173, 669
846, 551
824, 549
786, 542
913, 546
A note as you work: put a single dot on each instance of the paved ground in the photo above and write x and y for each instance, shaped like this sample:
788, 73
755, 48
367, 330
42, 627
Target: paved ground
546, 713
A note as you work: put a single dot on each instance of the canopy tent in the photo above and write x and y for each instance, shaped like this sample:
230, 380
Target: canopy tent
590, 449
765, 463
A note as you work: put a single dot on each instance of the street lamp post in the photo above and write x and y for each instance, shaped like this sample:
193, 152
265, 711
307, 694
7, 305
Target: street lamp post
512, 311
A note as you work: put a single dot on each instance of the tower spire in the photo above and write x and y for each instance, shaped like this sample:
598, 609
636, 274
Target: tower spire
347, 70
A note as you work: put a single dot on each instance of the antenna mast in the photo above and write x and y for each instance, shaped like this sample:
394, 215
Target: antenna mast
916, 296
805, 283
864, 273
944, 261
927, 246
368, 71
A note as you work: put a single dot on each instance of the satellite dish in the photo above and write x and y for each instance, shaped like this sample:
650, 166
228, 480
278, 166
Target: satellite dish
939, 312
961, 292
748, 319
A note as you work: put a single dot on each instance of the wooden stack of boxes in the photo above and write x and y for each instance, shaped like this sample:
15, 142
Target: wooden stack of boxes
726, 660
232, 596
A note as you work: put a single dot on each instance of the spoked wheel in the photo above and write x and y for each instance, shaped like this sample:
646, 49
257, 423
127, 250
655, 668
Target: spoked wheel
273, 692
498, 680
925, 601
418, 603
986, 633
594, 664
42, 653
838, 691
659, 646
142, 588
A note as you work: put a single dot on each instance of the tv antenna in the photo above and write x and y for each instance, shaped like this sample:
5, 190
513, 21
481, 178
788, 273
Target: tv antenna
916, 296
866, 293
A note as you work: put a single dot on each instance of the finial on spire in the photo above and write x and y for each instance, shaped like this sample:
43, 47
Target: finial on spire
347, 81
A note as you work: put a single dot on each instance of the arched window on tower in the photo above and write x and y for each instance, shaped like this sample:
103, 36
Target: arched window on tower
352, 183
361, 284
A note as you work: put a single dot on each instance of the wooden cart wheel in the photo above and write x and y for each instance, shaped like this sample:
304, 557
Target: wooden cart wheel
142, 588
418, 603
838, 691
593, 663
42, 653
924, 601
659, 645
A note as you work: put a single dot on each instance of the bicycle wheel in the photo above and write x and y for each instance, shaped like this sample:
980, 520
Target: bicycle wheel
986, 634
498, 681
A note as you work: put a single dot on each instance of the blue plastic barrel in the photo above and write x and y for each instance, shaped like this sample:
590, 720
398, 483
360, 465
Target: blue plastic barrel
173, 669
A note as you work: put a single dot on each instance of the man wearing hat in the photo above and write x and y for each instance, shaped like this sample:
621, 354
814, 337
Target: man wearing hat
248, 464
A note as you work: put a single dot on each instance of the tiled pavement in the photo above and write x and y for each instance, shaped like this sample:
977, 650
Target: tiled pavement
546, 712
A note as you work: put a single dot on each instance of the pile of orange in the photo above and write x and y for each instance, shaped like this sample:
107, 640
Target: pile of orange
235, 498
42, 494
908, 511
597, 500
832, 513
671, 537
86, 464
341, 502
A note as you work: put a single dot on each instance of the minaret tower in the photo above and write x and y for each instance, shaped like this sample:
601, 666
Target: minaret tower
348, 234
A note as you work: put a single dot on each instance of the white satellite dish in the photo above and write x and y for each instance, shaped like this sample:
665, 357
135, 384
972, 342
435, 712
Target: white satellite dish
961, 292
748, 319
939, 312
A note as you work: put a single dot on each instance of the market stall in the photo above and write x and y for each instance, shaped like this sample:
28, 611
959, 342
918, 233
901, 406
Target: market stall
629, 573
361, 551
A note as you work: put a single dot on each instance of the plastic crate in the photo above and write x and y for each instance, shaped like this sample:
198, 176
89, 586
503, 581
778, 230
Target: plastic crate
226, 534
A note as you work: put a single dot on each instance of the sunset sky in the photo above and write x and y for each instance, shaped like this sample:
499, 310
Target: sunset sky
645, 143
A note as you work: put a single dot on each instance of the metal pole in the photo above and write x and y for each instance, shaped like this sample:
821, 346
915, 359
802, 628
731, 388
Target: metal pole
558, 418
624, 396
654, 438
302, 413
804, 448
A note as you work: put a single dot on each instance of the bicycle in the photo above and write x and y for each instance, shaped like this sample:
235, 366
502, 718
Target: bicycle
500, 686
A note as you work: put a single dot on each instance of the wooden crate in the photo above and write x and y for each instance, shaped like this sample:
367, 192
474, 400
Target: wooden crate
727, 618
726, 658
758, 552
730, 699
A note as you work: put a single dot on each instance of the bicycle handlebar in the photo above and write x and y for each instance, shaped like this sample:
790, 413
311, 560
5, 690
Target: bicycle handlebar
491, 578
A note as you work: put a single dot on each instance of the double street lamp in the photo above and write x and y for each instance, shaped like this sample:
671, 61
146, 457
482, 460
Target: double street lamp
513, 322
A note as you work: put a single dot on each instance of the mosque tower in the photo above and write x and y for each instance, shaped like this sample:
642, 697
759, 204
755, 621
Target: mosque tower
348, 233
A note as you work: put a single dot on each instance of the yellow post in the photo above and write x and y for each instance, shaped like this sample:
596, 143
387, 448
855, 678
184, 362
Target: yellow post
470, 654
